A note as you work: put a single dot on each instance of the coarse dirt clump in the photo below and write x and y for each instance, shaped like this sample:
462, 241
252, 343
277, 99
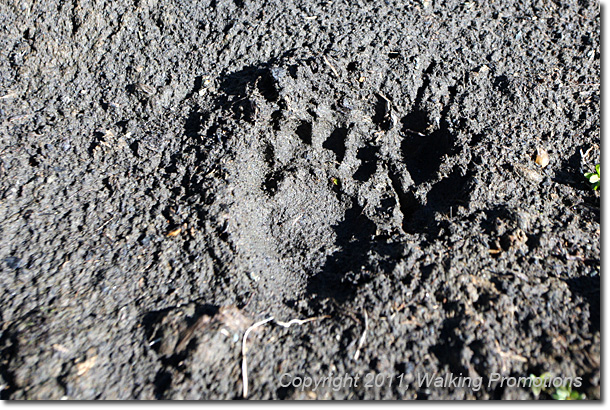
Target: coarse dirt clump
173, 172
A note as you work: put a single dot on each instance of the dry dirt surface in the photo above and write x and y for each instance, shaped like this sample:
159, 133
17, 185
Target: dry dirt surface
173, 172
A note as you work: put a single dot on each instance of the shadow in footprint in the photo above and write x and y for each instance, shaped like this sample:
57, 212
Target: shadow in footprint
359, 257
449, 348
382, 113
240, 89
423, 153
368, 163
445, 194
305, 132
336, 142
571, 173
354, 239
589, 289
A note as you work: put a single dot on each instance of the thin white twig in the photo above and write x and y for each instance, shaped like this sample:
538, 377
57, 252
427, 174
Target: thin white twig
299, 321
363, 337
331, 66
244, 350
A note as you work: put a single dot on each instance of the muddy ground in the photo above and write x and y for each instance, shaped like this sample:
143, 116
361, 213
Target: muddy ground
173, 172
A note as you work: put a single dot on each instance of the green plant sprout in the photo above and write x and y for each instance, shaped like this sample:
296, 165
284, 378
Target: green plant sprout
594, 178
538, 383
564, 392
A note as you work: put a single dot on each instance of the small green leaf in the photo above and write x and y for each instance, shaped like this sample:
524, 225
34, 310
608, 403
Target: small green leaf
594, 178
538, 383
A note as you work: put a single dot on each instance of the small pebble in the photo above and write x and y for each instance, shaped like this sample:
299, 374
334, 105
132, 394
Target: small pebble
542, 157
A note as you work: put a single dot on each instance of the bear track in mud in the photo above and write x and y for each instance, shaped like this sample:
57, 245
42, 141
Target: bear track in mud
173, 169
317, 175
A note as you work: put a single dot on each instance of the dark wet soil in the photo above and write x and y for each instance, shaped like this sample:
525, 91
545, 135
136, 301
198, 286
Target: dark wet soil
173, 172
